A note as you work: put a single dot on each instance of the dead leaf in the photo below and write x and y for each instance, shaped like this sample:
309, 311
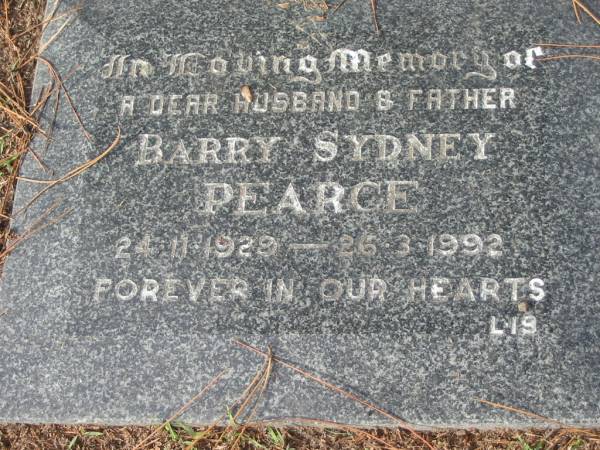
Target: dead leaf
247, 93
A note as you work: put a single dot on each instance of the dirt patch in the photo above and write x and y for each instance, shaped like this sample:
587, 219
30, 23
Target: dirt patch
51, 437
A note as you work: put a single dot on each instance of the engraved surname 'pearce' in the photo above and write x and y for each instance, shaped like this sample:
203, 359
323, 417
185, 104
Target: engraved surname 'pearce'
259, 199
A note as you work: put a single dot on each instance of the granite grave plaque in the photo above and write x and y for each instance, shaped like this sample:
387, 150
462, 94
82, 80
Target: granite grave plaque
411, 215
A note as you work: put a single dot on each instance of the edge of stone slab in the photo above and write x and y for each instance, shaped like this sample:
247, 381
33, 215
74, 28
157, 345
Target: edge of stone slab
512, 425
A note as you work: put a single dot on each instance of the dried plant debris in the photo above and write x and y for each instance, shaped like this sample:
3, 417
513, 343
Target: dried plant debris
580, 7
20, 31
271, 435
21, 27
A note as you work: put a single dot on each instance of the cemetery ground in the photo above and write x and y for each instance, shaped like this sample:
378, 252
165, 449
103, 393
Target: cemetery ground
20, 27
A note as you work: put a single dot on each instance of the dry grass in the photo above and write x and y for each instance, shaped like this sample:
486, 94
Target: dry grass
580, 6
325, 7
20, 24
55, 437
570, 51
20, 30
19, 37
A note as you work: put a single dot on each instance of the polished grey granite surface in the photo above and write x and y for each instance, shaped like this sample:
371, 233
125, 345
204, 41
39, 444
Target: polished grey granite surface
411, 215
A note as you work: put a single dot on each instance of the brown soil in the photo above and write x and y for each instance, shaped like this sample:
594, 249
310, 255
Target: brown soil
52, 437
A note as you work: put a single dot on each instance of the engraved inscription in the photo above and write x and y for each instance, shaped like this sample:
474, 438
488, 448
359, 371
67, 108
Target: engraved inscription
391, 188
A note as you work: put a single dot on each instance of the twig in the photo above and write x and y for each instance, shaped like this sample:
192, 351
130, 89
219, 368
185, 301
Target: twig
262, 385
202, 434
183, 409
325, 423
20, 112
45, 45
253, 386
555, 45
339, 5
47, 21
246, 397
61, 85
374, 13
569, 56
71, 174
38, 225
577, 16
339, 390
373, 4
580, 4
521, 411
539, 417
